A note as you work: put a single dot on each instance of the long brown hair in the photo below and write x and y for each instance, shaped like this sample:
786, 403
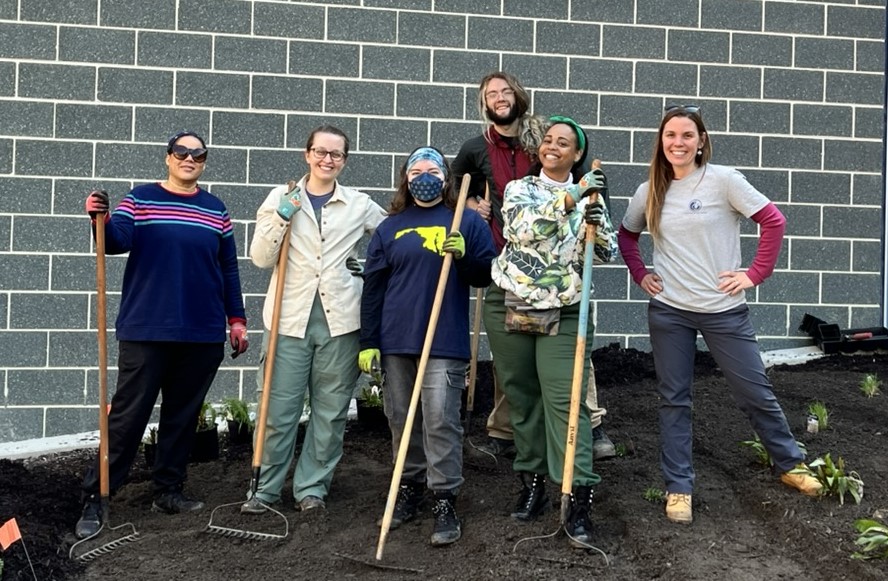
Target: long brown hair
402, 198
660, 173
530, 127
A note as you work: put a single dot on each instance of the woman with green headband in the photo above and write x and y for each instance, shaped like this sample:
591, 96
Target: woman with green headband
532, 316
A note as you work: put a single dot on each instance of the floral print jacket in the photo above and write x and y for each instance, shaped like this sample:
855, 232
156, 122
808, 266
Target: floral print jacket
542, 262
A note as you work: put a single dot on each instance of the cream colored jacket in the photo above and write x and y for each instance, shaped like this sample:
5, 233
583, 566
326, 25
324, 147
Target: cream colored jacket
315, 261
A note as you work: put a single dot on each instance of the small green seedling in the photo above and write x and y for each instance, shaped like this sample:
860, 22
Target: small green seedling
834, 479
621, 450
819, 411
237, 410
873, 540
761, 454
371, 396
654, 494
871, 385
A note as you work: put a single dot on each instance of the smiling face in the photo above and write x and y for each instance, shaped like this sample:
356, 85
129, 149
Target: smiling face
424, 166
325, 169
559, 151
680, 140
185, 171
499, 98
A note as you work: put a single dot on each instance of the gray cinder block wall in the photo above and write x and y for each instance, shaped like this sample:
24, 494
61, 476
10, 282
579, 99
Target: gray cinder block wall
89, 92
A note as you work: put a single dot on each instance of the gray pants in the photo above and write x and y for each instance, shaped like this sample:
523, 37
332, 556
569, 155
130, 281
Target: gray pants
731, 340
434, 455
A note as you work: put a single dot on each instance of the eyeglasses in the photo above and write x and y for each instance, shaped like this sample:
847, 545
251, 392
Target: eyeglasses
180, 152
506, 93
320, 153
690, 108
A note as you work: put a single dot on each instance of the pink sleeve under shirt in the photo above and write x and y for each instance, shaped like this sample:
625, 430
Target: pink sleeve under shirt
773, 224
629, 250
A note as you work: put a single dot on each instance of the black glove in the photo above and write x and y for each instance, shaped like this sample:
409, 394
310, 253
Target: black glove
354, 266
594, 214
97, 203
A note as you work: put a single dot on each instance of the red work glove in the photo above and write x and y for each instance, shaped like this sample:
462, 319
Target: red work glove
97, 203
237, 335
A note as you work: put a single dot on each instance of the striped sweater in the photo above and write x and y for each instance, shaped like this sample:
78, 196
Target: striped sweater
181, 281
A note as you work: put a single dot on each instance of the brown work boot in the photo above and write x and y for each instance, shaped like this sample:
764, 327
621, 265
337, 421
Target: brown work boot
804, 483
678, 508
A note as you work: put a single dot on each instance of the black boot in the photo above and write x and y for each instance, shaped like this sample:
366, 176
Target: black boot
407, 503
579, 524
533, 499
91, 520
447, 526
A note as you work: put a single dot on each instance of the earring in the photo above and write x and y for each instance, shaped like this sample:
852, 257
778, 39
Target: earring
699, 152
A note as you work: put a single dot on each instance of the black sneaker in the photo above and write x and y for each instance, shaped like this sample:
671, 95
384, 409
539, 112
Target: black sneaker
407, 504
175, 502
498, 447
447, 526
602, 446
91, 520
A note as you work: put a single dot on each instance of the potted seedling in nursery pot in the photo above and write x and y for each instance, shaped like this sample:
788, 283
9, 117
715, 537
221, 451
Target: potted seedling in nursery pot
370, 407
240, 424
206, 440
149, 447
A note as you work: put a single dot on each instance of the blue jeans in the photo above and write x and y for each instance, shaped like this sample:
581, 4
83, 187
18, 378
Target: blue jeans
731, 340
435, 451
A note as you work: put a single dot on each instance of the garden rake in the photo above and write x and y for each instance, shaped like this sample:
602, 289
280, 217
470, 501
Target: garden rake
81, 550
259, 444
476, 341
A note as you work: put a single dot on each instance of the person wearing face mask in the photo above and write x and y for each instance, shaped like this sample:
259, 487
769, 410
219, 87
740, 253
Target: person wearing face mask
532, 312
404, 261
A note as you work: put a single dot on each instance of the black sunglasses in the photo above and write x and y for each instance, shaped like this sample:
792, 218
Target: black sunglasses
180, 152
690, 108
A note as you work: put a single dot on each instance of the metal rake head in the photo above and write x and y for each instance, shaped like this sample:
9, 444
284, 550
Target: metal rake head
243, 533
104, 548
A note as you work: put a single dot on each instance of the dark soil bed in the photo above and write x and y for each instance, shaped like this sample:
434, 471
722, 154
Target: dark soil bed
746, 524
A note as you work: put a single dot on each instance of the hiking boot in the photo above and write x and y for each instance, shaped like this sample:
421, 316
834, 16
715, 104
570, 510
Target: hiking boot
311, 502
175, 502
498, 447
579, 523
447, 527
407, 503
602, 447
532, 500
804, 483
253, 506
91, 520
678, 508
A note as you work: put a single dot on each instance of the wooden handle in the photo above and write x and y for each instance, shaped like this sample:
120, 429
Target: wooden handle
476, 337
102, 328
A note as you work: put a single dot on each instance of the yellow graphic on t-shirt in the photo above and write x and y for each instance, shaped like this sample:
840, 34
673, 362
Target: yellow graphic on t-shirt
432, 237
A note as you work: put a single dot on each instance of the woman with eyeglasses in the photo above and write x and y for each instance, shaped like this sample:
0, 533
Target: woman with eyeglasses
693, 210
532, 316
317, 348
181, 287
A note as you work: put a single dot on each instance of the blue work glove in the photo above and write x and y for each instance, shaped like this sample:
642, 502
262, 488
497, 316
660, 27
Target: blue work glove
290, 204
589, 184
366, 359
594, 214
455, 244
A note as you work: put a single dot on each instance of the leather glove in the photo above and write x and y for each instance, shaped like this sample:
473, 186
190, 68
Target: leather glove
455, 244
367, 357
354, 266
290, 204
237, 336
594, 214
97, 203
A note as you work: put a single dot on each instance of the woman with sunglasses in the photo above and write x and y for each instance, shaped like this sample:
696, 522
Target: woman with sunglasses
180, 287
693, 210
317, 348
532, 316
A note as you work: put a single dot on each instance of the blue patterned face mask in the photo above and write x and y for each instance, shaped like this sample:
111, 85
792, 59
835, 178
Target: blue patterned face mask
426, 187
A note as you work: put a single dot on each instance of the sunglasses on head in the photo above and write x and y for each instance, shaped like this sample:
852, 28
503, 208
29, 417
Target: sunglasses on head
180, 152
690, 108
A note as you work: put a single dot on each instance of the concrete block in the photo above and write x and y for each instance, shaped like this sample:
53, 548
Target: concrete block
288, 20
600, 75
360, 97
870, 56
391, 135
135, 86
618, 11
325, 59
287, 93
699, 46
866, 255
61, 82
51, 158
44, 387
732, 15
431, 29
23, 272
760, 117
27, 118
505, 34
213, 90
51, 234
362, 25
820, 254
848, 222
468, 67
623, 111
20, 424
727, 82
257, 55
100, 122
469, 6
809, 187
228, 16
761, 49
676, 13
125, 161
737, 150
75, 349
396, 63
111, 311
175, 50
78, 273
253, 280
611, 282
226, 164
791, 152
868, 122
856, 21
61, 421
158, 124
158, 14
449, 136
39, 311
610, 145
25, 195
791, 287
8, 9
824, 53
406, 4
548, 72
769, 319
863, 315
851, 288
772, 183
857, 88
821, 120
5, 159
69, 194
7, 79
551, 9
367, 170
273, 166
565, 38
853, 155
27, 41
581, 107
867, 189
632, 42
30, 347
299, 127
242, 203
670, 78
413, 101
625, 317
794, 17
97, 45
248, 129
802, 220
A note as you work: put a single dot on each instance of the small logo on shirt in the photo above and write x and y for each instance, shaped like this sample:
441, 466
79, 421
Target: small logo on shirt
695, 205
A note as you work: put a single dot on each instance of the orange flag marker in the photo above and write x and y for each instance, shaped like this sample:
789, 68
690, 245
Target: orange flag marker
9, 533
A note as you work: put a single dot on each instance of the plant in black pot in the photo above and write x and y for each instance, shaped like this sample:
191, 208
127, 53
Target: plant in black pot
240, 424
149, 447
370, 407
206, 440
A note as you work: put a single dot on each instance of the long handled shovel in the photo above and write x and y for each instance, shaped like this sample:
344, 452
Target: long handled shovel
263, 411
77, 551
476, 342
420, 373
